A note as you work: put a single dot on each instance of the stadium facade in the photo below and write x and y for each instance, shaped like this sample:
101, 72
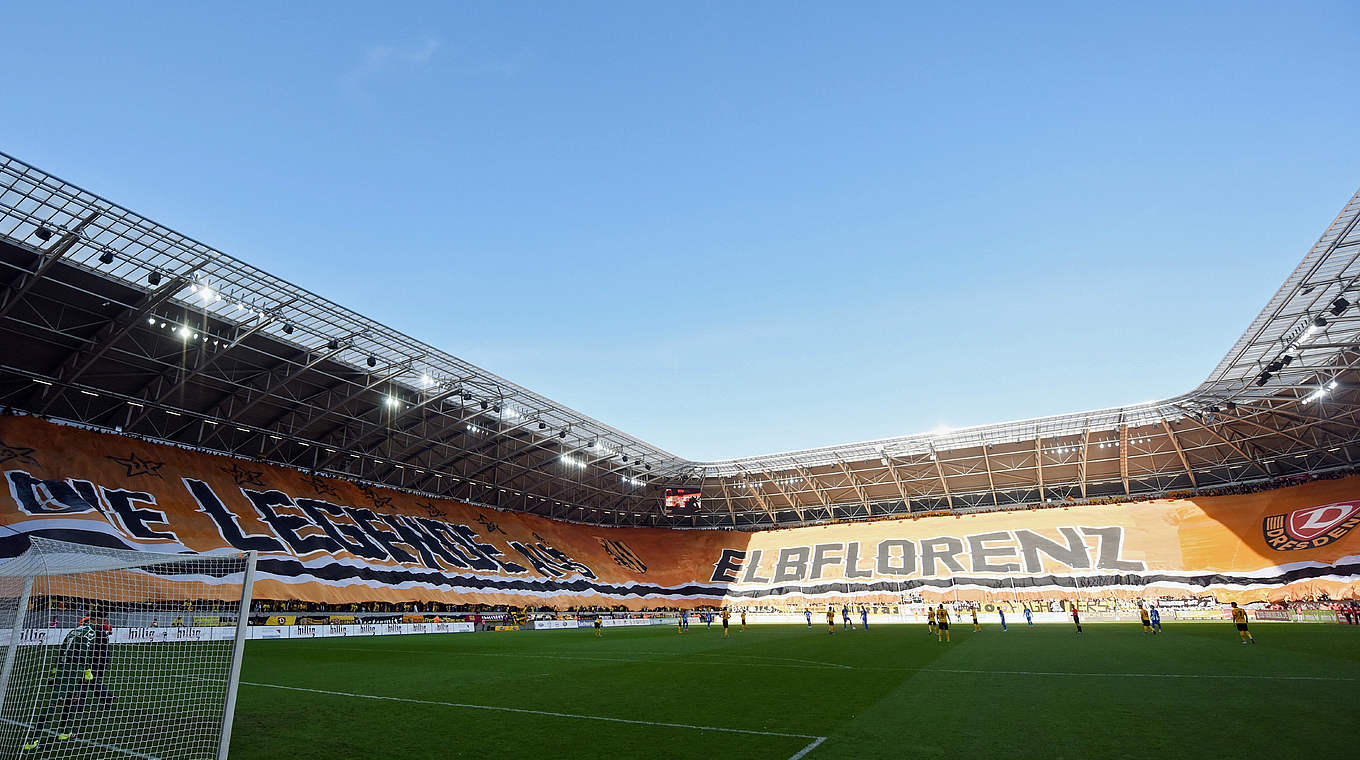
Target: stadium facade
163, 393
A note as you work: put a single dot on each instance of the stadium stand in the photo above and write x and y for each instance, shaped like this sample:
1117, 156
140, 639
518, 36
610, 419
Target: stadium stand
366, 467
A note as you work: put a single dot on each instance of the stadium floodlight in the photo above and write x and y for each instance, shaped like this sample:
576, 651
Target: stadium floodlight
1319, 393
106, 679
154, 279
106, 257
333, 344
1338, 306
372, 361
43, 234
287, 329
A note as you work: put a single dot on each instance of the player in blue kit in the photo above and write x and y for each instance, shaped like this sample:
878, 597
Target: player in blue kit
1156, 616
845, 618
684, 622
864, 617
1029, 618
1002, 613
808, 614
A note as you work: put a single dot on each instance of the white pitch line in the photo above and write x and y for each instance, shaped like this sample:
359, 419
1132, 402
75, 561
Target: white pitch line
816, 740
78, 740
815, 743
1117, 675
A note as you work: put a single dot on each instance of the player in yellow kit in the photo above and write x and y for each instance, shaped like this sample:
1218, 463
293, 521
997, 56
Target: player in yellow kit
976, 626
726, 615
930, 620
831, 619
1239, 617
942, 623
743, 618
1147, 621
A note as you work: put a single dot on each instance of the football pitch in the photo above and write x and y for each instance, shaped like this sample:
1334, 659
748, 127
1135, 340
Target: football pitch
780, 692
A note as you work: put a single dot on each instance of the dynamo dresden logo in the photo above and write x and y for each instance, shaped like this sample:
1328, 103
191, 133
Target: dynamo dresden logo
1311, 527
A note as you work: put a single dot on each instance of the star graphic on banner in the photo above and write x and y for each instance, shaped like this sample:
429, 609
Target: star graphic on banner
137, 466
322, 486
244, 477
431, 510
379, 501
21, 453
490, 526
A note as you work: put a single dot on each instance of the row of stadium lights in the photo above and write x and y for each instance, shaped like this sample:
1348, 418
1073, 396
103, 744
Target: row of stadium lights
1319, 324
1101, 444
209, 295
1319, 393
508, 412
392, 401
185, 332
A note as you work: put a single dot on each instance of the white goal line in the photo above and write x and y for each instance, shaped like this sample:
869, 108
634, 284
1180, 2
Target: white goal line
49, 732
816, 740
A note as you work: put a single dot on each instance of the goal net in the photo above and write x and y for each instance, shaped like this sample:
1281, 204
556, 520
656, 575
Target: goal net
111, 653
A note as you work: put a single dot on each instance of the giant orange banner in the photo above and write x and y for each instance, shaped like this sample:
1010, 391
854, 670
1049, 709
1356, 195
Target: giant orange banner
326, 539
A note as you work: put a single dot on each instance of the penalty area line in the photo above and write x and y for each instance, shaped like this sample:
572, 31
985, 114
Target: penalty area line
803, 752
816, 740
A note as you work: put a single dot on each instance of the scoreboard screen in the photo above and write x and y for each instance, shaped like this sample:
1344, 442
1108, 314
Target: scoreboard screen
682, 502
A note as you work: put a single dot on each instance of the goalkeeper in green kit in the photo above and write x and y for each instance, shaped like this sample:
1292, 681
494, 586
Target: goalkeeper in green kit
84, 649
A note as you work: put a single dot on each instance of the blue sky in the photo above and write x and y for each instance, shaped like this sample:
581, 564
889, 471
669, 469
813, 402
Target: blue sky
734, 228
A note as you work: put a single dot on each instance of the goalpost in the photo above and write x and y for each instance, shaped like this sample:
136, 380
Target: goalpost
114, 653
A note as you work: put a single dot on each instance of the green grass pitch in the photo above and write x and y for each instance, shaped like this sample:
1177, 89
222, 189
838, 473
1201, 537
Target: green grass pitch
890, 692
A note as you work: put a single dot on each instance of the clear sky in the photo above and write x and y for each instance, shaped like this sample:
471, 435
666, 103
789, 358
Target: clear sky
733, 228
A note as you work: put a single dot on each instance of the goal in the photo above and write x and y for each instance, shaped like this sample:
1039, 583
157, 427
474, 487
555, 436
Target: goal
113, 653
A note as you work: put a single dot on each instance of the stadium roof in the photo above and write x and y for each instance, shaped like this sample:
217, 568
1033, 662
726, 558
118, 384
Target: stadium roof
110, 320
